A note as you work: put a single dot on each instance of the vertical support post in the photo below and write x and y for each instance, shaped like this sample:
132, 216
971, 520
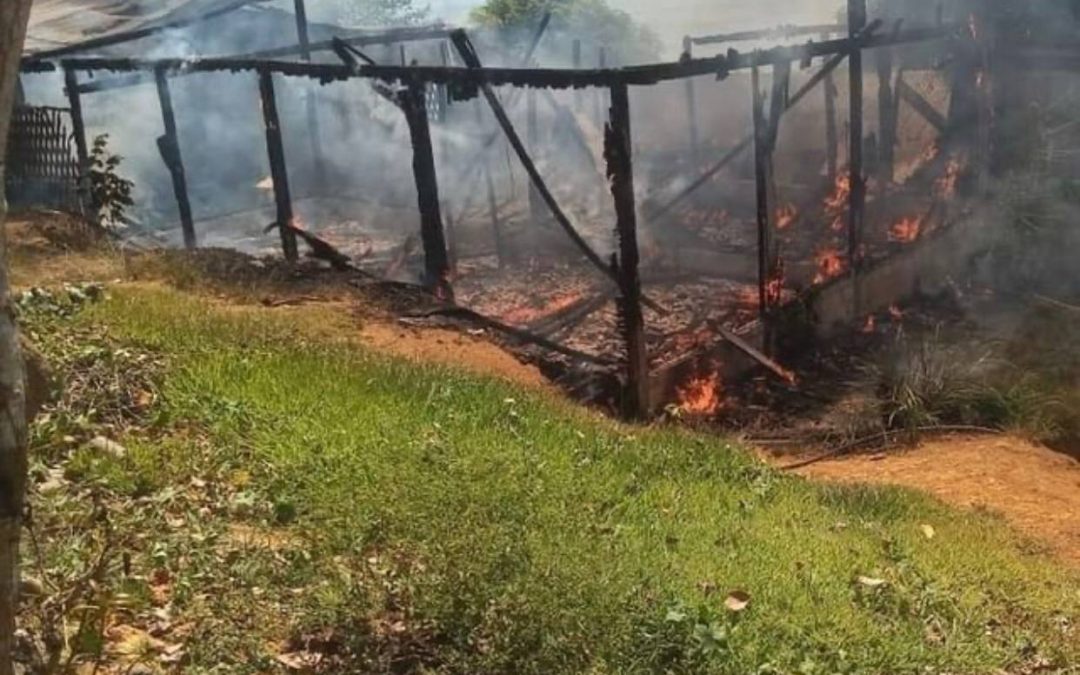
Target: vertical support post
691, 105
886, 120
857, 199
761, 185
436, 257
402, 49
493, 205
312, 109
275, 148
618, 151
169, 146
576, 60
82, 150
832, 136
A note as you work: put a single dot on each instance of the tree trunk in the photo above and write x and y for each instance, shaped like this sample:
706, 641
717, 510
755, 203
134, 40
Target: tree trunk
14, 15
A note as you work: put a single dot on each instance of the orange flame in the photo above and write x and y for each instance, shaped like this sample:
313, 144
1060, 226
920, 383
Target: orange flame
786, 216
830, 265
701, 395
838, 199
870, 326
946, 185
906, 230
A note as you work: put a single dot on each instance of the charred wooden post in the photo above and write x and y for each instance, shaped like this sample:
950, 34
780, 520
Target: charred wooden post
436, 257
761, 185
618, 151
82, 149
766, 133
832, 136
279, 174
314, 126
887, 122
169, 146
857, 198
691, 105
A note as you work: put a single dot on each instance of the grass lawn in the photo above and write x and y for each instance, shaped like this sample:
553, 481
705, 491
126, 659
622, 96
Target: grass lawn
290, 500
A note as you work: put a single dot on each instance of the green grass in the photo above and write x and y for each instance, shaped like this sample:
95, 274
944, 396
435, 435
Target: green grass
431, 520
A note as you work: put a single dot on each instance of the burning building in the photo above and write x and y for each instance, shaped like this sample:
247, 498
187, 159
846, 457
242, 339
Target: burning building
657, 225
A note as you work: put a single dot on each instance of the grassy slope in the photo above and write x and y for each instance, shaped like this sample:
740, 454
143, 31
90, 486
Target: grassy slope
451, 521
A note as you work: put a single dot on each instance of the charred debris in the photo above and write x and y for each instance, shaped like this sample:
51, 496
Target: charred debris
858, 182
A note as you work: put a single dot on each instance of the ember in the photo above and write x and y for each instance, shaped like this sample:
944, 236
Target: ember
946, 185
701, 395
786, 216
830, 265
896, 313
870, 325
838, 199
906, 230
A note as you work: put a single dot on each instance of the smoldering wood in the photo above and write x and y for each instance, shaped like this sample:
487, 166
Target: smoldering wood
432, 235
824, 72
761, 152
554, 78
618, 152
748, 349
857, 196
82, 149
320, 248
279, 174
169, 145
468, 55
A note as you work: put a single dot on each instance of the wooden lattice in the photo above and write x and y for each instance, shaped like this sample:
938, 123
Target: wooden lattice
42, 169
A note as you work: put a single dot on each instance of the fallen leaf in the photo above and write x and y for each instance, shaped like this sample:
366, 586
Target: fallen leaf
737, 601
871, 582
928, 531
299, 660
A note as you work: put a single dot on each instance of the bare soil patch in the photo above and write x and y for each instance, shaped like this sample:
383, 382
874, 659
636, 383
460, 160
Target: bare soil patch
1034, 488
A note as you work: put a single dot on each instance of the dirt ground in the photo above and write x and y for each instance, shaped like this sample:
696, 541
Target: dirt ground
1034, 488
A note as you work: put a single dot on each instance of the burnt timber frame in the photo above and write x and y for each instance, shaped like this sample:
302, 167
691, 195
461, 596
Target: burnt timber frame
169, 145
278, 171
614, 81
